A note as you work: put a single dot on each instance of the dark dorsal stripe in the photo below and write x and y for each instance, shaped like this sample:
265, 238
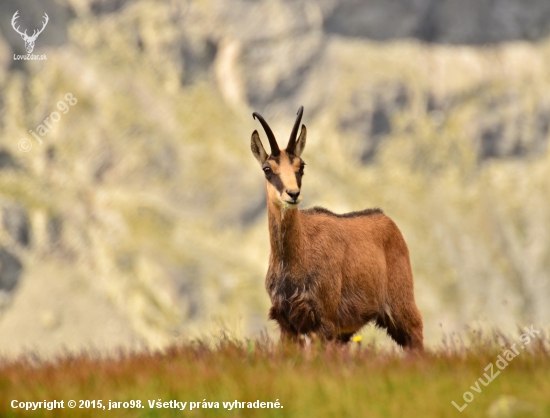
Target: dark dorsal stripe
319, 210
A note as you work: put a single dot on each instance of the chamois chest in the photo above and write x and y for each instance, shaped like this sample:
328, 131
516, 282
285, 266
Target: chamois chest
294, 303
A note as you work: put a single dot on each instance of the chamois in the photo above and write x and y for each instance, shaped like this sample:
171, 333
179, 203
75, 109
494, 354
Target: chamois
331, 274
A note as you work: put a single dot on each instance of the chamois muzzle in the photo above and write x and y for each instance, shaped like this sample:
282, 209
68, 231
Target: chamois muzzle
293, 195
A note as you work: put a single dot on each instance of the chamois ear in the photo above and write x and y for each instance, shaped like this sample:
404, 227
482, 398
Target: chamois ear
301, 141
257, 148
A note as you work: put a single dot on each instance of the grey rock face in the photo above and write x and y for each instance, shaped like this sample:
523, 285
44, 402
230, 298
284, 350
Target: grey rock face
16, 222
446, 21
10, 270
370, 115
7, 162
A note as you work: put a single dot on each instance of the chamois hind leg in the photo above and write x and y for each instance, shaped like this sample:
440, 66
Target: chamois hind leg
404, 326
344, 338
400, 315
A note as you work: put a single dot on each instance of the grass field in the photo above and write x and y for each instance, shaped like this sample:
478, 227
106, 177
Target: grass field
357, 381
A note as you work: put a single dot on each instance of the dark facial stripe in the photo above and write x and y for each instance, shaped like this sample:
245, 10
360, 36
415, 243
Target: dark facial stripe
299, 179
299, 173
276, 182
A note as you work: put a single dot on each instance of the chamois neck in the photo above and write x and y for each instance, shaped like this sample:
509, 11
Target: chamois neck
285, 233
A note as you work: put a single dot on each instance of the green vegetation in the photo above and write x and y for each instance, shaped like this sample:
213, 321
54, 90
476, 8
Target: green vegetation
332, 382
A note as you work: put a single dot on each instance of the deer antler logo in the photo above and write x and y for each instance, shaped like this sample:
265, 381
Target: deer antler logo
29, 40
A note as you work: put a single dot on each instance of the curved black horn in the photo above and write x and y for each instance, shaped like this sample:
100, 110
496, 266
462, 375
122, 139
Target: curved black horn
292, 140
272, 141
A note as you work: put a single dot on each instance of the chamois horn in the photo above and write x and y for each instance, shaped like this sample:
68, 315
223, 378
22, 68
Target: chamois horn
292, 140
272, 141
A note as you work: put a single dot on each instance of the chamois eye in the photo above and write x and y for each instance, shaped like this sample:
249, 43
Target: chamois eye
267, 170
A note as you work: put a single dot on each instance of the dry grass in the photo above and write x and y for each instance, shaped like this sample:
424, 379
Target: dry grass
321, 382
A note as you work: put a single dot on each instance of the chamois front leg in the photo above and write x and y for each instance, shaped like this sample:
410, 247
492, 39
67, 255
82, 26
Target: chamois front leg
327, 331
291, 338
288, 334
325, 334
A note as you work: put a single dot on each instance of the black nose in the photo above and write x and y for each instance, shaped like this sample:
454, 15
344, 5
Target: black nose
293, 195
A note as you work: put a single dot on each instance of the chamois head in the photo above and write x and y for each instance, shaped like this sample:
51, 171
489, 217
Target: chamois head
283, 169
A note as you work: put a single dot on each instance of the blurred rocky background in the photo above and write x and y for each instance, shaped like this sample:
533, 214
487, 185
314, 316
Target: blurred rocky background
140, 218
